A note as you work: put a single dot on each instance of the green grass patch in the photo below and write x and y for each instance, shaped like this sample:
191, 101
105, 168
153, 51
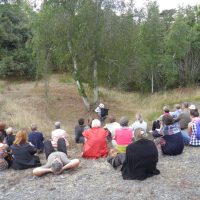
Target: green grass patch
153, 116
66, 78
197, 98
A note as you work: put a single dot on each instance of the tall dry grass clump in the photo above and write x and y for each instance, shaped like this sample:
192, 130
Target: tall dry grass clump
149, 105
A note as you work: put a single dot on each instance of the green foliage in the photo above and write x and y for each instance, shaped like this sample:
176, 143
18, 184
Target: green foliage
15, 55
130, 46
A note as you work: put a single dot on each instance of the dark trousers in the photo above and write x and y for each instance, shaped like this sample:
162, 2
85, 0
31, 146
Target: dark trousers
48, 148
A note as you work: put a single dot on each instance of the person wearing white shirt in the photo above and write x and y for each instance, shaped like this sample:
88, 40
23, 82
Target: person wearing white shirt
139, 123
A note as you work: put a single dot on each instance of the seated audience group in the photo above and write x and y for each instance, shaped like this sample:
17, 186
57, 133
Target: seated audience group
132, 147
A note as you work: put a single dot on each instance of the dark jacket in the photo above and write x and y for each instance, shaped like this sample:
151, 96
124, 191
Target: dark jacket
173, 144
141, 160
10, 139
78, 133
36, 138
23, 156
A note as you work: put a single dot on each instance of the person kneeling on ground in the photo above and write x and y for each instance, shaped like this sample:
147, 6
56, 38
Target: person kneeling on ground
57, 161
141, 158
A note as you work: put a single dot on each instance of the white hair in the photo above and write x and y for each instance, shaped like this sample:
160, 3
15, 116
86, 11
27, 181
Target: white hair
9, 130
96, 123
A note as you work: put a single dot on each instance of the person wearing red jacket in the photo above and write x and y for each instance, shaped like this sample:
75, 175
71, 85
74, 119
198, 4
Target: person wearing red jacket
95, 141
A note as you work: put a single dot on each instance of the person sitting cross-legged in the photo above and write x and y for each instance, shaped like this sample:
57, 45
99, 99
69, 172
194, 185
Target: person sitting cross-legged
123, 136
23, 153
170, 138
95, 141
57, 161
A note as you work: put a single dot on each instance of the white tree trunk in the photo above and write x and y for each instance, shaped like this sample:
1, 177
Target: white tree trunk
152, 83
78, 83
95, 90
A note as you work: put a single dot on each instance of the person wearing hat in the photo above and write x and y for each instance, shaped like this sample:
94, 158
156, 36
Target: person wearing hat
57, 163
95, 141
123, 136
102, 112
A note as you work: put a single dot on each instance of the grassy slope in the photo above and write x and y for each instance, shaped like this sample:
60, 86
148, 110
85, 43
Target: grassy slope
22, 103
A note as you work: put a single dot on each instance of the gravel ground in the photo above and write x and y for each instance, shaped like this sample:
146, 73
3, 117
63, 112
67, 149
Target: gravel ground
179, 180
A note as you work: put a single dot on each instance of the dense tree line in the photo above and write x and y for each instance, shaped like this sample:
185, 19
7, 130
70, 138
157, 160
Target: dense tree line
15, 35
109, 43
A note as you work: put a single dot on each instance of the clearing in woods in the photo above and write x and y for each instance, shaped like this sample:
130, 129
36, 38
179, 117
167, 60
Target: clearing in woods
22, 104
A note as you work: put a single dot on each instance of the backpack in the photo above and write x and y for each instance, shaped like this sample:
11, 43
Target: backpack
197, 123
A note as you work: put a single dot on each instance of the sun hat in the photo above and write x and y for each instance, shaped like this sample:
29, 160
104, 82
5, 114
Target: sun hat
101, 105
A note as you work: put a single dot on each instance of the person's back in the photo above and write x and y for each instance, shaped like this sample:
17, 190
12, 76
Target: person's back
10, 138
141, 159
36, 138
194, 127
184, 119
96, 144
79, 131
123, 136
57, 134
112, 125
23, 156
138, 124
23, 153
173, 141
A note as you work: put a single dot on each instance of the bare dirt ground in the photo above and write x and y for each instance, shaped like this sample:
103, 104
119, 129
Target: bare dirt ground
22, 104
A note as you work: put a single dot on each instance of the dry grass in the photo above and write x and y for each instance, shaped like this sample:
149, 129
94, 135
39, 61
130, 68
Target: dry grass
123, 103
22, 103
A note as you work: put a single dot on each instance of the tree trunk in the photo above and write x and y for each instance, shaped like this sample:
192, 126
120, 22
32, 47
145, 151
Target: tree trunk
152, 83
95, 90
80, 87
46, 74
